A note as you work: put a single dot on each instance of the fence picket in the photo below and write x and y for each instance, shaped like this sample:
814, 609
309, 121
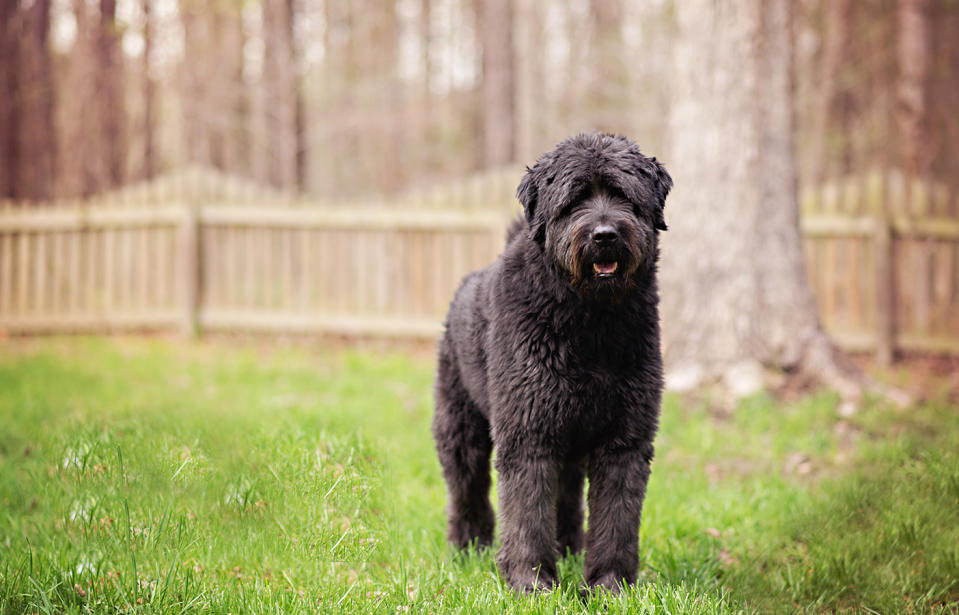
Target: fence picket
6, 273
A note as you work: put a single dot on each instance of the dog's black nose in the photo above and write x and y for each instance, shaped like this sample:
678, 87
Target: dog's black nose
604, 234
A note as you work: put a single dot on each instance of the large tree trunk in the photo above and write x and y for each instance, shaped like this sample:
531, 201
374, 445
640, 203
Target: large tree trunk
495, 30
734, 289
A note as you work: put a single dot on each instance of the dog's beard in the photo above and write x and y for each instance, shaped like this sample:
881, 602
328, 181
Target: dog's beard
608, 279
598, 273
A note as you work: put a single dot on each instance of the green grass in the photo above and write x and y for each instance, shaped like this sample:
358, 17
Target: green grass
159, 477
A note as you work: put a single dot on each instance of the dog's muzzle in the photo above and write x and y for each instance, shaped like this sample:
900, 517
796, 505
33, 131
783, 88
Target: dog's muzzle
605, 240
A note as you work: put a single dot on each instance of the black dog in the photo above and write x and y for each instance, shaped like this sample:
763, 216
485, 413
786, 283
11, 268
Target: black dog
552, 355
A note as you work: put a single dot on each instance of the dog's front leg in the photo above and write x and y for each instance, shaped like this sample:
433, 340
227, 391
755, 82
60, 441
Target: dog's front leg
527, 507
617, 486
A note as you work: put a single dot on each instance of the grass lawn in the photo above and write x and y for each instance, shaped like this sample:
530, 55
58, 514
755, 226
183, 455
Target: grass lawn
156, 476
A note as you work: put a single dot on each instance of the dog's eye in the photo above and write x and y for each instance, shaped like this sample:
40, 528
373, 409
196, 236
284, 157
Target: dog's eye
566, 211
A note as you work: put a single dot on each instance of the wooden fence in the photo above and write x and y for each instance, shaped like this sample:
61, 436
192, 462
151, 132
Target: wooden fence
376, 272
886, 275
882, 256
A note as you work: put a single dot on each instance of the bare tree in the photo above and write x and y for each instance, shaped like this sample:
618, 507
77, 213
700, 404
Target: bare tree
110, 91
226, 110
81, 171
528, 77
607, 75
149, 94
913, 71
279, 79
735, 292
37, 131
9, 107
835, 43
495, 29
211, 82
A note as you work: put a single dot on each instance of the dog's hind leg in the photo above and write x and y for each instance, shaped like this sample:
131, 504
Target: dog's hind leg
464, 446
569, 508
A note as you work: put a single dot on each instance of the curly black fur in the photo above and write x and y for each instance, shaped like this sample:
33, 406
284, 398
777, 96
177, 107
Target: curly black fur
552, 355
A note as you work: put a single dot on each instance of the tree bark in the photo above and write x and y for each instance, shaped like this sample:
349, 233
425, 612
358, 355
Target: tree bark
734, 288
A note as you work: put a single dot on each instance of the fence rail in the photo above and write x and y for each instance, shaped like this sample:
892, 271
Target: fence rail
886, 277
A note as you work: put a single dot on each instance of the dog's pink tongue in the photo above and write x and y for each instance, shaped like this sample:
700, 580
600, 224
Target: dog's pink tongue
605, 267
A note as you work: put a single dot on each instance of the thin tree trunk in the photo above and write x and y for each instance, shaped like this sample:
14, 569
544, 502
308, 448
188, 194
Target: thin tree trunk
81, 167
222, 111
149, 94
280, 81
607, 74
495, 28
834, 48
527, 43
112, 107
388, 43
37, 137
9, 107
426, 39
196, 83
256, 90
913, 71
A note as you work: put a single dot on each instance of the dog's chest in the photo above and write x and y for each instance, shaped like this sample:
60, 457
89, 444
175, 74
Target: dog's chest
596, 374
598, 392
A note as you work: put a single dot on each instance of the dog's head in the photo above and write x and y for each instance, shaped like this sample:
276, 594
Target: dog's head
595, 205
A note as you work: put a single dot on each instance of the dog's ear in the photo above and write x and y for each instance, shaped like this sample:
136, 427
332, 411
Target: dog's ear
528, 194
664, 184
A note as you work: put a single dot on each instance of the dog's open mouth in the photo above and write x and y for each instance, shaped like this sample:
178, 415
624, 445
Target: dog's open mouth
605, 269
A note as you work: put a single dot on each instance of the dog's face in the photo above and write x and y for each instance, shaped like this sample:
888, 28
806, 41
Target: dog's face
595, 205
599, 240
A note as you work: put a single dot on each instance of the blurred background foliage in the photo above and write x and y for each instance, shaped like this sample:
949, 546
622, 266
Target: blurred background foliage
360, 98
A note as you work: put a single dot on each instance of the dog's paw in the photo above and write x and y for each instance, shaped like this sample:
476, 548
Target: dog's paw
463, 533
528, 580
571, 543
610, 582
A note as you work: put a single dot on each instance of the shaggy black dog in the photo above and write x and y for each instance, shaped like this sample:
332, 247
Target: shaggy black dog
552, 355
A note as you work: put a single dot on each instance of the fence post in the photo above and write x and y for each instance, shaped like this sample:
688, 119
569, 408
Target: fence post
189, 272
885, 292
